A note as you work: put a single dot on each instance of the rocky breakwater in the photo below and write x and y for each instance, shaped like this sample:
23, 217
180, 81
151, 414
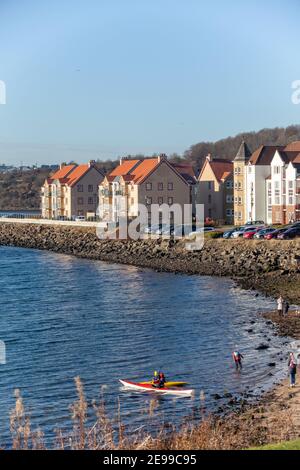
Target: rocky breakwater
270, 266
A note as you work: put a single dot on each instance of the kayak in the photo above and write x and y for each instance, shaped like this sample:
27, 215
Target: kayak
142, 387
168, 384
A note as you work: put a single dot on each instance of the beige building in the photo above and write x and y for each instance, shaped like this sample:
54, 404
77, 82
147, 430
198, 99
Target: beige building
240, 184
216, 190
72, 191
145, 181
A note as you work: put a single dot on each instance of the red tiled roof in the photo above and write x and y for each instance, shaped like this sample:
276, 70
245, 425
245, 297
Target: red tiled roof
293, 147
138, 170
144, 169
221, 168
62, 172
76, 174
124, 168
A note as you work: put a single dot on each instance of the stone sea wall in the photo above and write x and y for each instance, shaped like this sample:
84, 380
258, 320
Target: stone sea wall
271, 266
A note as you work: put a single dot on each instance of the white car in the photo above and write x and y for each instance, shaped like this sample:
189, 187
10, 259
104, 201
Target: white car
80, 218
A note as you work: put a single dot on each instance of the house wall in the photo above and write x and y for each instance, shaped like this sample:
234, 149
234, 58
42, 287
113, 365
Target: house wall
211, 194
256, 202
240, 183
79, 201
180, 193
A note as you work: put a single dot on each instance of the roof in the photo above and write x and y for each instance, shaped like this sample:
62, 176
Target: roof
264, 154
243, 154
222, 169
62, 172
71, 174
124, 168
137, 171
187, 171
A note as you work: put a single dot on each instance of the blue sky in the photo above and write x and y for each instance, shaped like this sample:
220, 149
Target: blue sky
102, 78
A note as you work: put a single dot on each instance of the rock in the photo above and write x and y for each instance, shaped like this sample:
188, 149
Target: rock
262, 347
272, 364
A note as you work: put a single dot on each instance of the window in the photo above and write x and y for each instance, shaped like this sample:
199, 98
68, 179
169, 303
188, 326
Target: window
90, 200
149, 200
80, 188
229, 199
240, 185
277, 170
228, 213
229, 184
160, 186
148, 186
209, 185
80, 201
90, 188
170, 187
170, 201
160, 200
235, 185
209, 199
240, 200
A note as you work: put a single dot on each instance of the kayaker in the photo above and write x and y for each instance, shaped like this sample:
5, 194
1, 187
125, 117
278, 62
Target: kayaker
162, 380
155, 380
237, 357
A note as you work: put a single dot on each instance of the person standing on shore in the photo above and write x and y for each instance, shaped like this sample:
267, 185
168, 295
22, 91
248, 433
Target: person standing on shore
280, 306
286, 307
292, 365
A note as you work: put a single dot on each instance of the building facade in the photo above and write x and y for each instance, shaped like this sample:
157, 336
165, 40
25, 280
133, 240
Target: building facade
240, 184
273, 184
144, 181
216, 190
71, 191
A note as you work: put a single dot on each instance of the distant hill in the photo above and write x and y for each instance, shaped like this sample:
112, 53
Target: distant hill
20, 190
227, 148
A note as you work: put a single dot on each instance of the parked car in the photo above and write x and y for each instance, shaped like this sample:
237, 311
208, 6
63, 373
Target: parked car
249, 234
240, 232
229, 233
261, 233
255, 222
271, 235
79, 218
289, 234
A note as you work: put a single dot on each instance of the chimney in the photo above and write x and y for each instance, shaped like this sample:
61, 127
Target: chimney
91, 163
209, 157
62, 165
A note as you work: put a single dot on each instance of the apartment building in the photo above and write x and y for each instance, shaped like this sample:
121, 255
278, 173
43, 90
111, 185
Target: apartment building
216, 190
240, 183
71, 191
145, 181
273, 184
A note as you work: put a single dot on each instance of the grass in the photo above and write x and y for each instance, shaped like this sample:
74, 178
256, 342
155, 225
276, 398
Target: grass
289, 445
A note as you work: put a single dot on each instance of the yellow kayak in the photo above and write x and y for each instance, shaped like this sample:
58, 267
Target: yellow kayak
168, 384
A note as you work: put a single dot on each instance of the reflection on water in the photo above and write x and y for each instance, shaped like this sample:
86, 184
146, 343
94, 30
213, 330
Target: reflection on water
62, 317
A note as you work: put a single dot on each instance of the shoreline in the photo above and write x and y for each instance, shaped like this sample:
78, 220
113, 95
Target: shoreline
270, 267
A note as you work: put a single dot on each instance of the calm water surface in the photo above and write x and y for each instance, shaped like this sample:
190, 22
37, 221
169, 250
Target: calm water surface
62, 317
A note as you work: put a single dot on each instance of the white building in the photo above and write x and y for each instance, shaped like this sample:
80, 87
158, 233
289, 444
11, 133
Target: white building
273, 184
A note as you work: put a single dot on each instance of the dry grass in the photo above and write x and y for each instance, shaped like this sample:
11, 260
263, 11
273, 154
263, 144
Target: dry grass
237, 431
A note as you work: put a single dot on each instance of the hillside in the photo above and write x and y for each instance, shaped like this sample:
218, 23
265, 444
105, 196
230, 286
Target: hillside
227, 148
20, 190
